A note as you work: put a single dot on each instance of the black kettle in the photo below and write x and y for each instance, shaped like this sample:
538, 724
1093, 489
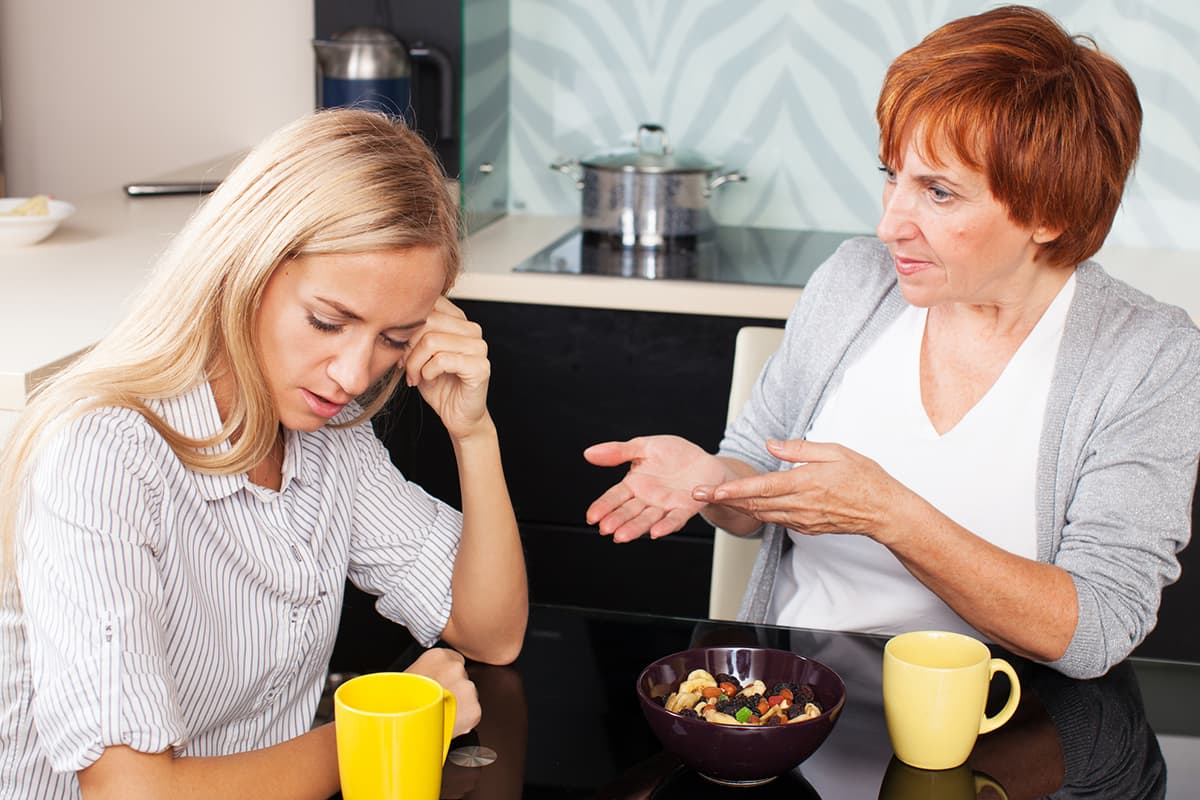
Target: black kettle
369, 67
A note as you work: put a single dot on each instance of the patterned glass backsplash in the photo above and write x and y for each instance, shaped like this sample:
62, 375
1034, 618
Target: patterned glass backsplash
785, 91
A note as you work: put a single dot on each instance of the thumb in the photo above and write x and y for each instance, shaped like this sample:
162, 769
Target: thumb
610, 454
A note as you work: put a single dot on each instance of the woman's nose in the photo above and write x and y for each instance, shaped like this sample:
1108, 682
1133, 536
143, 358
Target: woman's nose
896, 223
350, 368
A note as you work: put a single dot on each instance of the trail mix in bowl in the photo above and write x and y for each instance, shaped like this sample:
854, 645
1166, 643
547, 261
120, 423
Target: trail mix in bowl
724, 700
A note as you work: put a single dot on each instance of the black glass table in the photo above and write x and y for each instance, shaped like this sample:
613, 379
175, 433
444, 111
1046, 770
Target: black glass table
563, 722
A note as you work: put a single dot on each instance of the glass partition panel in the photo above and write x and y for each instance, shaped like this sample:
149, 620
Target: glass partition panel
485, 111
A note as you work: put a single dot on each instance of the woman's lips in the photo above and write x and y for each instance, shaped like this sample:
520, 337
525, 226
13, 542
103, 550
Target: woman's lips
320, 406
909, 266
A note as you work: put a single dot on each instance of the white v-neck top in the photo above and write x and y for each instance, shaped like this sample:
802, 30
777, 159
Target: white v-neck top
849, 582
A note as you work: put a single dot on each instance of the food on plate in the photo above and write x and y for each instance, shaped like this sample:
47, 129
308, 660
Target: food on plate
724, 700
36, 206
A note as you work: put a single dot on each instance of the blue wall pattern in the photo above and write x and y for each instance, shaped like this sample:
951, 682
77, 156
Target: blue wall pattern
785, 90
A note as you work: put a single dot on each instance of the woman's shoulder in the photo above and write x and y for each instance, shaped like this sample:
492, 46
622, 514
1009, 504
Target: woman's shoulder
1126, 330
847, 285
1123, 305
100, 427
860, 262
99, 447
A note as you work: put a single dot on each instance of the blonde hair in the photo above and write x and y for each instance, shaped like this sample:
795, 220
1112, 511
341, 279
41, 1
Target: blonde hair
336, 181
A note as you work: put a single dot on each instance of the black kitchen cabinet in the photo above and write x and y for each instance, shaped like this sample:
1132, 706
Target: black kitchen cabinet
564, 378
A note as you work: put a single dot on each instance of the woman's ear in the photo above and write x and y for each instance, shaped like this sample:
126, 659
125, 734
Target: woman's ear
1044, 234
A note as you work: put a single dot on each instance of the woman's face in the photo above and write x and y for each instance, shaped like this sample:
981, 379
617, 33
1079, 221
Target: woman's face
951, 239
329, 326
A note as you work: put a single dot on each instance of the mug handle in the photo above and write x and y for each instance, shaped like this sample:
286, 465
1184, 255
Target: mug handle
988, 724
983, 781
449, 709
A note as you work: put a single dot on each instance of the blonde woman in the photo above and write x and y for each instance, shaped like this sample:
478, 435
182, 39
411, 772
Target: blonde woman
182, 506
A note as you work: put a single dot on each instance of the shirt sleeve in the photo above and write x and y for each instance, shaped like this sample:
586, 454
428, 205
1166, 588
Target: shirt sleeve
92, 595
404, 542
1130, 512
772, 408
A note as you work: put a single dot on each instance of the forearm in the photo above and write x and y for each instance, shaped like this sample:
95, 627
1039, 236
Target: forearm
1025, 606
491, 600
303, 767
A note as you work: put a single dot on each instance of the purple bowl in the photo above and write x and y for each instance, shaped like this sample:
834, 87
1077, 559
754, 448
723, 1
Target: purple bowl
740, 754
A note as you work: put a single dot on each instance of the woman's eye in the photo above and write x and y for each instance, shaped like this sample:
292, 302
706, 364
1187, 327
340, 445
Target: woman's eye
888, 173
939, 194
395, 344
322, 325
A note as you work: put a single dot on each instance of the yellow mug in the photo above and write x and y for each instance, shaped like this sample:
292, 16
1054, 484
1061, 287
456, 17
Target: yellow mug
902, 782
935, 688
393, 733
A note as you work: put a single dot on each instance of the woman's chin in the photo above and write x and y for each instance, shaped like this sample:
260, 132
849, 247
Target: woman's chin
917, 296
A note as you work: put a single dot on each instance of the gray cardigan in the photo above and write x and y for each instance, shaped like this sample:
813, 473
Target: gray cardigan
1117, 462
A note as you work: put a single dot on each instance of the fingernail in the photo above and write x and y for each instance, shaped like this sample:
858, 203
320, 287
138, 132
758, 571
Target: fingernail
700, 493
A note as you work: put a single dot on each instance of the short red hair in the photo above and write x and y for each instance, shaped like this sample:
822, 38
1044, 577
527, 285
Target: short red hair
1052, 122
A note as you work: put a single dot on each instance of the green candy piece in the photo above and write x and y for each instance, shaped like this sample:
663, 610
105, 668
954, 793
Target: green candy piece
744, 713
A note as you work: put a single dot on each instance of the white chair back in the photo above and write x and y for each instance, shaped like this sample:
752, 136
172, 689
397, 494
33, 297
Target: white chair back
733, 556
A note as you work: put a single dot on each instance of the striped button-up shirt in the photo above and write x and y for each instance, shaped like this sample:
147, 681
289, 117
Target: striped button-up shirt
163, 608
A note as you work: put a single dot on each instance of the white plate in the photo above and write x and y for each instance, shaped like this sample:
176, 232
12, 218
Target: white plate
30, 229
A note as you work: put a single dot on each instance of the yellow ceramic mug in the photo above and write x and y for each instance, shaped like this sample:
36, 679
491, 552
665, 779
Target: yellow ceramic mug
935, 687
393, 733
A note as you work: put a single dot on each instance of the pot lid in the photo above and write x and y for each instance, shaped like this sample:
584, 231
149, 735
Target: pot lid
650, 156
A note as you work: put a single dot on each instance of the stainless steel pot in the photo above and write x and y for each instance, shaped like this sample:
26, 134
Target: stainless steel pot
649, 194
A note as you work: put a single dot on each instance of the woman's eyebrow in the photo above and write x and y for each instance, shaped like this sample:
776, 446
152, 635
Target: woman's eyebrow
937, 177
339, 308
352, 315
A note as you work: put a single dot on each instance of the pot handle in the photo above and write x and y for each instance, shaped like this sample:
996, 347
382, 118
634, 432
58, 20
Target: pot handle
664, 143
728, 177
570, 168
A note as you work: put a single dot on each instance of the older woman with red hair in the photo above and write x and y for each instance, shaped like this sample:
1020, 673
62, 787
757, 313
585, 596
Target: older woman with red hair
969, 425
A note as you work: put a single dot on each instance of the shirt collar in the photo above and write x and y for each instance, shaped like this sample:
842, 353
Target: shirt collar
194, 414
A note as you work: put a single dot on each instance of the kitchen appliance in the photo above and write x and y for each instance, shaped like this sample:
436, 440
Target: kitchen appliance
368, 66
726, 254
649, 194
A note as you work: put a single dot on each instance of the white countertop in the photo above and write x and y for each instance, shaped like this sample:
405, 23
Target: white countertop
62, 295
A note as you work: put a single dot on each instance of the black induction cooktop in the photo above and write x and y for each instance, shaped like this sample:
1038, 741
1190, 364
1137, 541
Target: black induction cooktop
730, 254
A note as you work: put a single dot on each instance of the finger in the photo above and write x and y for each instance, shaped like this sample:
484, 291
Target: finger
452, 323
639, 525
739, 489
802, 450
453, 655
610, 454
445, 306
673, 521
614, 520
603, 505
472, 370
464, 339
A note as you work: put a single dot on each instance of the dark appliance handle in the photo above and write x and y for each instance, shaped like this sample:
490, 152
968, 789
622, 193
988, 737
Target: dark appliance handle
445, 70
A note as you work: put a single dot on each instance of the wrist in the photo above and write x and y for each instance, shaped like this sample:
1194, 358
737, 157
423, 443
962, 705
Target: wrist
903, 511
482, 434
